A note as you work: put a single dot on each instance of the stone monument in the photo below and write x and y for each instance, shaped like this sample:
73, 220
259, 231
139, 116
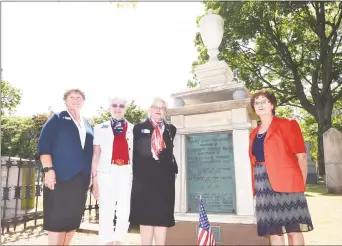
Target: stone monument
312, 177
332, 140
213, 124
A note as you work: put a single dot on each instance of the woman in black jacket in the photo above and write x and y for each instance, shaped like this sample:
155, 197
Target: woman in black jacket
154, 172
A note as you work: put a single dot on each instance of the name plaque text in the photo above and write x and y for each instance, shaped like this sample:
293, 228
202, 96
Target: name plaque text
210, 172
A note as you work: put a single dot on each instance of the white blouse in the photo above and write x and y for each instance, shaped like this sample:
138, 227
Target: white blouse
81, 129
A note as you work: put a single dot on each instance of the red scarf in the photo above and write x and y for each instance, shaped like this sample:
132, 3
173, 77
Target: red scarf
157, 140
120, 153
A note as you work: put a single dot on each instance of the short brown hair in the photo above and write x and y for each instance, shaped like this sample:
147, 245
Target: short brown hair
266, 93
77, 91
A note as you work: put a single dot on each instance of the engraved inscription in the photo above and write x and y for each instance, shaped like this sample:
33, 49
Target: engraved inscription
210, 172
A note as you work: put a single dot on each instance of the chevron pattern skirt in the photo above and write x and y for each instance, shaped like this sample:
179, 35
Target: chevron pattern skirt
278, 213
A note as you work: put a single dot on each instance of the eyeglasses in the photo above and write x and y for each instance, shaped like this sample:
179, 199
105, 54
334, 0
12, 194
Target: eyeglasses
158, 108
263, 102
114, 105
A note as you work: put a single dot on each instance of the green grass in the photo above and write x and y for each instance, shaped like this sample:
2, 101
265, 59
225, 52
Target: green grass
317, 189
326, 214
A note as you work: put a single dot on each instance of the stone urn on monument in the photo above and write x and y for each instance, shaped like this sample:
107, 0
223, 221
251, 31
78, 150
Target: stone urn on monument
213, 122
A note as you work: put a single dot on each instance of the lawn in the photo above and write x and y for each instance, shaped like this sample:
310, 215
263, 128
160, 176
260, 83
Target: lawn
326, 212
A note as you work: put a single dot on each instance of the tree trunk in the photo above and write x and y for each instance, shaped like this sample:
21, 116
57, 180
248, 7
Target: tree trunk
324, 124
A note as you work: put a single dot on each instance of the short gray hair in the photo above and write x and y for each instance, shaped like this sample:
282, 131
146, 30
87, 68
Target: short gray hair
117, 99
158, 99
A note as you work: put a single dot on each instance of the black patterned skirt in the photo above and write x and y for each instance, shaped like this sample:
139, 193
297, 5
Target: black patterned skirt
278, 213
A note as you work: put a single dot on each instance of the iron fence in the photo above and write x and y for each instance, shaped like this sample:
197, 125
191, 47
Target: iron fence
22, 194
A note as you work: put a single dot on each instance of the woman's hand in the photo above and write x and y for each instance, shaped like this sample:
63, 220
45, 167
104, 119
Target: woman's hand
95, 189
50, 179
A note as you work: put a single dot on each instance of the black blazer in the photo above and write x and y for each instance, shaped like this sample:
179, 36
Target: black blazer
142, 133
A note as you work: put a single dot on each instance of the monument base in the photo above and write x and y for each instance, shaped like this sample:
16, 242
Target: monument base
184, 233
335, 190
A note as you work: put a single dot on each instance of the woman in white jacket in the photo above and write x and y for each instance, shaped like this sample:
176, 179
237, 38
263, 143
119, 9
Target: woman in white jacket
112, 173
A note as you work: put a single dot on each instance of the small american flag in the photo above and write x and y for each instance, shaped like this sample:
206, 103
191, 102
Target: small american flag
205, 234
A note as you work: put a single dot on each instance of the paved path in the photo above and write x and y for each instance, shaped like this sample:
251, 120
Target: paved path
326, 212
36, 236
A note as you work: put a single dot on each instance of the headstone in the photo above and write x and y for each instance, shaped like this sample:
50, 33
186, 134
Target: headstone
332, 140
312, 177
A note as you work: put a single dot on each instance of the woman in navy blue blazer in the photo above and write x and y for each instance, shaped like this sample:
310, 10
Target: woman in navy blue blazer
65, 148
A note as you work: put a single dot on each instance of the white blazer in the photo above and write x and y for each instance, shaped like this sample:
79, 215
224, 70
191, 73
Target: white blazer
104, 137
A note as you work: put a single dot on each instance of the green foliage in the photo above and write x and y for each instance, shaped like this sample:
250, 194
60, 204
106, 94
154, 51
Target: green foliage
104, 116
134, 114
286, 112
337, 116
39, 121
10, 97
278, 45
19, 135
15, 136
293, 48
309, 129
309, 125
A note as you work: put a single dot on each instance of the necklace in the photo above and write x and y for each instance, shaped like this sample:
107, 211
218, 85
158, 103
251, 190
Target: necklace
261, 135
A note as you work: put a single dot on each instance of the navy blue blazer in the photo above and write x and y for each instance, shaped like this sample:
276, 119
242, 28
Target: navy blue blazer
60, 139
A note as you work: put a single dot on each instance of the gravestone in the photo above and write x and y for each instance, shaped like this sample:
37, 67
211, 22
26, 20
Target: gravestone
312, 177
332, 140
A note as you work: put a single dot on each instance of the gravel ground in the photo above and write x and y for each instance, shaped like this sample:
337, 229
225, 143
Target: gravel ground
325, 211
36, 236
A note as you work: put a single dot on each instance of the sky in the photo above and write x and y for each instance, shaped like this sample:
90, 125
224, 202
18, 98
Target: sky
137, 53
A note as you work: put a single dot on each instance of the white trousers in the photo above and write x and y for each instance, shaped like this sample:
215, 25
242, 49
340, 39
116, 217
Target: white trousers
114, 196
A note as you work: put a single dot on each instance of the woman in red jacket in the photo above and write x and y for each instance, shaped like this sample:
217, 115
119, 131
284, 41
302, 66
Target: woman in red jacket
279, 169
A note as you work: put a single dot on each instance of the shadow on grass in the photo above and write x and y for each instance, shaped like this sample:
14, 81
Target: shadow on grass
319, 189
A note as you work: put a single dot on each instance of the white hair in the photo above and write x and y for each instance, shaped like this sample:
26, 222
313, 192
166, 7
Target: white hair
117, 99
158, 99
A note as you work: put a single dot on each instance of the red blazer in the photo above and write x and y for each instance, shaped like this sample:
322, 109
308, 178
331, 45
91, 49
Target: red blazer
283, 140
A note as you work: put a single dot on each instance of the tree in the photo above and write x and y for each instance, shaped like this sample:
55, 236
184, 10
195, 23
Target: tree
20, 135
134, 114
38, 122
10, 97
293, 48
16, 137
309, 127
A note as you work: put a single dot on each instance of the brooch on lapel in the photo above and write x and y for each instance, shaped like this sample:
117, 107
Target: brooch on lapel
145, 131
66, 118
